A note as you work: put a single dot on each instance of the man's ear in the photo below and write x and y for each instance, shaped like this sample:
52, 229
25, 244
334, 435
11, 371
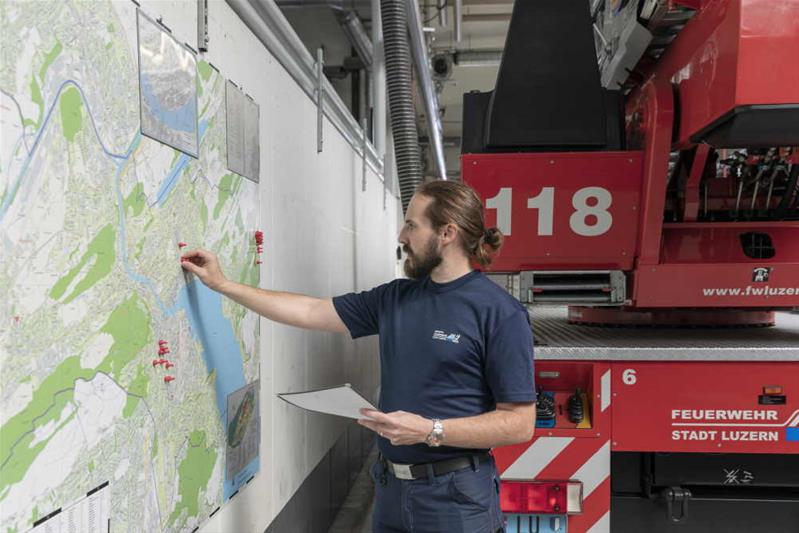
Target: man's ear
449, 233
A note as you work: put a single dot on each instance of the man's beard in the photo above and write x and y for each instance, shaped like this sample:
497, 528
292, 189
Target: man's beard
420, 266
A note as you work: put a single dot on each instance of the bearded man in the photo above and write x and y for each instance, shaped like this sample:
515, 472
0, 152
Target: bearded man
456, 355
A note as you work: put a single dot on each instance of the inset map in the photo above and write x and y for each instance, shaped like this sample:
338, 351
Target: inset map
167, 88
243, 436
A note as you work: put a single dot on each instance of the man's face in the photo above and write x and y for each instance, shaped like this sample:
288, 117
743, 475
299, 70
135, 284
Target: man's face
419, 241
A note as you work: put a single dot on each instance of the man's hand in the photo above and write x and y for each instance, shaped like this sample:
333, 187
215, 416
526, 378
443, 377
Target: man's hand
204, 265
399, 427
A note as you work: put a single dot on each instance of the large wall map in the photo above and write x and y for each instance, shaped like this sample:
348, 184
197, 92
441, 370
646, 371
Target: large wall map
116, 367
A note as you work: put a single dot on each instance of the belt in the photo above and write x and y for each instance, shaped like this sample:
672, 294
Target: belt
421, 471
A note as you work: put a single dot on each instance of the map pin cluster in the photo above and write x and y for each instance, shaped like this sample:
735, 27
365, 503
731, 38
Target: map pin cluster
163, 349
181, 246
259, 246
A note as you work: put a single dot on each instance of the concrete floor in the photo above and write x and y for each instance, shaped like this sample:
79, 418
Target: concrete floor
355, 515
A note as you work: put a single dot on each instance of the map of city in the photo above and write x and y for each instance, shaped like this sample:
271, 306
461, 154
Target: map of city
118, 368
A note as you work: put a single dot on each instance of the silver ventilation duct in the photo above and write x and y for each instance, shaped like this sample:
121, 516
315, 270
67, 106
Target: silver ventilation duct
357, 36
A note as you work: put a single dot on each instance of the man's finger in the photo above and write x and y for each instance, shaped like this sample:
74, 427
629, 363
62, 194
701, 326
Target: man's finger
197, 252
371, 424
376, 415
191, 267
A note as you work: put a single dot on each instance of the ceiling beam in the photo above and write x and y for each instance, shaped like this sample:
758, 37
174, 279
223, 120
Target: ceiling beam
487, 17
508, 3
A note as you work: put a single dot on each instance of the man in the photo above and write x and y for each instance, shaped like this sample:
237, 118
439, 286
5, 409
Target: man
456, 364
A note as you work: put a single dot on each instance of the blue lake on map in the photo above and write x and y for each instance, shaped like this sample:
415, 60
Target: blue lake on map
221, 349
183, 118
221, 352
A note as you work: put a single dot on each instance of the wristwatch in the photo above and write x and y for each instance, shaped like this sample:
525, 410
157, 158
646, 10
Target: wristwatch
436, 435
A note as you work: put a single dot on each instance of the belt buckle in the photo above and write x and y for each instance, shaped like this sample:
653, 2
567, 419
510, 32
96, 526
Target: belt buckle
402, 471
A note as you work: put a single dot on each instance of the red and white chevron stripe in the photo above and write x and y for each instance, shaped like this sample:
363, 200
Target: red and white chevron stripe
585, 459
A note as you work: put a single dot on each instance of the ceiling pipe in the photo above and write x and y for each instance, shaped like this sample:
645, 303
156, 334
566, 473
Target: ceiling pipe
350, 23
487, 17
478, 58
425, 80
379, 114
442, 15
356, 35
332, 4
458, 23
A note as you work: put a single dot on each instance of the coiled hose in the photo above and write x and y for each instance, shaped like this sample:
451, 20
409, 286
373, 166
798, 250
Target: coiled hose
399, 83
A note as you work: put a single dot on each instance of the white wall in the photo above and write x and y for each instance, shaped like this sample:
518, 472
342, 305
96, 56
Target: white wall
323, 237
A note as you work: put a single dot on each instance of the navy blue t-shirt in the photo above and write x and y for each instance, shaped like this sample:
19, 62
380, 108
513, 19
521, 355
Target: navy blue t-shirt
447, 350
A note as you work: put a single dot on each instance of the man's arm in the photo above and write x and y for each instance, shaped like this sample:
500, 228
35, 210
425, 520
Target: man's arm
510, 423
284, 307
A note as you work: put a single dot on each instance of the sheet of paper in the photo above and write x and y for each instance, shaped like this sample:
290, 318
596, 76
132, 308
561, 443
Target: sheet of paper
340, 401
90, 514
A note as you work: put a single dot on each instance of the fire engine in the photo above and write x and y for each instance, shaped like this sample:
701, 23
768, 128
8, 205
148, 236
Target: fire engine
642, 159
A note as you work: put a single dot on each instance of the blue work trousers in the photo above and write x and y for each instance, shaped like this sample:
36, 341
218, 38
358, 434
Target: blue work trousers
465, 501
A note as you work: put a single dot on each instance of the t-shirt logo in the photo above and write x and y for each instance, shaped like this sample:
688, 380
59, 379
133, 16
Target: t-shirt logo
439, 335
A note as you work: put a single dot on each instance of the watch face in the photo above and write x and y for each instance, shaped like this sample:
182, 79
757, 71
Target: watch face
436, 435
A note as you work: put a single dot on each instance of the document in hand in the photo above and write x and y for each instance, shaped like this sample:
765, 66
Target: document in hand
340, 401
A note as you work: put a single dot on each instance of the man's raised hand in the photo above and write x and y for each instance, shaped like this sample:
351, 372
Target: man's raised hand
204, 265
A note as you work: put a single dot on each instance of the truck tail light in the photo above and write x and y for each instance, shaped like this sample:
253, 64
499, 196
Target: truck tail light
545, 497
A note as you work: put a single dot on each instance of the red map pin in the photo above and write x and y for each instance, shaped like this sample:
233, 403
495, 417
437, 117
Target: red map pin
167, 379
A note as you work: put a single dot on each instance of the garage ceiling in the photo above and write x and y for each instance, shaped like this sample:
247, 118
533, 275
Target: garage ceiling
475, 59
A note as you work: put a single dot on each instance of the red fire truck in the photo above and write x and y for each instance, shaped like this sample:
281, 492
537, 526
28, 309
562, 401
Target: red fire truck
642, 160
